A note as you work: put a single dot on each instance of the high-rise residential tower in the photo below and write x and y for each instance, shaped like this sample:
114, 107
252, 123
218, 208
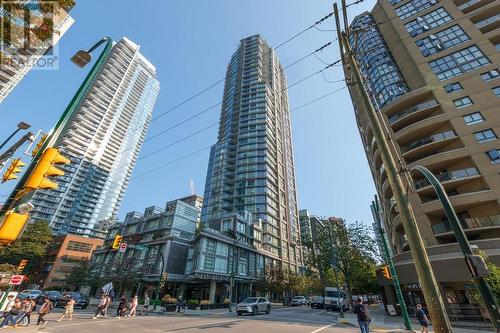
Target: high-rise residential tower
18, 54
102, 139
431, 68
251, 167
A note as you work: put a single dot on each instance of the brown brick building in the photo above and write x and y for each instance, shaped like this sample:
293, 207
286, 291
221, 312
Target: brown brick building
66, 253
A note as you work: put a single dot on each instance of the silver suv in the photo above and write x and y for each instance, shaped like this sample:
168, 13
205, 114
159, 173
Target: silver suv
254, 305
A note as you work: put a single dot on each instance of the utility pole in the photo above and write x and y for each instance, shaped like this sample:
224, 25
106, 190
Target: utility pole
426, 278
388, 258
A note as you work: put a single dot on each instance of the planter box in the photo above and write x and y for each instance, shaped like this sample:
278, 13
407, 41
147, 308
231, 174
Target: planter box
168, 307
192, 306
204, 306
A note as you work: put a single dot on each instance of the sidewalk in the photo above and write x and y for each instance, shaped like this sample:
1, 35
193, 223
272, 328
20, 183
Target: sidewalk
382, 323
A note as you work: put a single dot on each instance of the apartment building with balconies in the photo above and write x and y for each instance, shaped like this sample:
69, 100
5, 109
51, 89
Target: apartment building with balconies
432, 70
102, 139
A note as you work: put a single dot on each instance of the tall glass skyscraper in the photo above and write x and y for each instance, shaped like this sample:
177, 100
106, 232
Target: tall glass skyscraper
103, 140
251, 167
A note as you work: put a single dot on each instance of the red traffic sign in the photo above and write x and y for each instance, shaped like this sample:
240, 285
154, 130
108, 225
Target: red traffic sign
123, 247
16, 280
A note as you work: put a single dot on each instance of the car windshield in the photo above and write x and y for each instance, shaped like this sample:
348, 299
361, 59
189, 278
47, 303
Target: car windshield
331, 293
298, 297
250, 300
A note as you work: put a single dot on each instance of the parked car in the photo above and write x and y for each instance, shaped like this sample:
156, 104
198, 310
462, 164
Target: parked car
50, 294
32, 293
82, 301
317, 302
254, 305
22, 296
298, 301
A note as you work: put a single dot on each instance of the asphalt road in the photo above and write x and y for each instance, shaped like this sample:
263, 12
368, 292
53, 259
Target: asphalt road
280, 320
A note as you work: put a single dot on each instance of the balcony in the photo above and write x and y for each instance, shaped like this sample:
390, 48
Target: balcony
448, 176
467, 224
405, 114
470, 5
428, 140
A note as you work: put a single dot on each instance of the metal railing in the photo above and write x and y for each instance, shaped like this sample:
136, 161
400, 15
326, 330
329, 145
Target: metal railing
448, 175
428, 139
468, 223
425, 105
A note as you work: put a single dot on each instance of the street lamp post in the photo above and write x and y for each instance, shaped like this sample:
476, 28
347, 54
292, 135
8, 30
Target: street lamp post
233, 264
483, 286
162, 267
81, 59
21, 126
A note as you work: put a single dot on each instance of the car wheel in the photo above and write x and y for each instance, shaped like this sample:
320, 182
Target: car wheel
268, 310
255, 311
239, 313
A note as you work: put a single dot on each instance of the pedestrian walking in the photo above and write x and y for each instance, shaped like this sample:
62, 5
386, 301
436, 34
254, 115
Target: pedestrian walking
32, 307
44, 310
361, 310
68, 309
109, 300
422, 318
133, 306
12, 314
101, 306
25, 309
122, 307
8, 305
145, 306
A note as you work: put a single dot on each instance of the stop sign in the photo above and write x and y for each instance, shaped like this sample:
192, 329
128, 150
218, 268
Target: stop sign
16, 279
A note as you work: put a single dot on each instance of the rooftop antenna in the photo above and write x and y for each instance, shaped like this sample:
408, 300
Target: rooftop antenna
191, 186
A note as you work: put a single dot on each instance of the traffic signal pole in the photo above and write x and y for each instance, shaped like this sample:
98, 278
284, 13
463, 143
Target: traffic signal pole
426, 278
52, 138
388, 259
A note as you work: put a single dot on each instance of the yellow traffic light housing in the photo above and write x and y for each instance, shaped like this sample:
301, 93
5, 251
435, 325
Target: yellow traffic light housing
12, 225
385, 272
39, 145
116, 242
13, 170
45, 168
22, 265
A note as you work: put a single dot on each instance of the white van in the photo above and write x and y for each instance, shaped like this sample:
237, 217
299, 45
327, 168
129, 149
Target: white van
334, 299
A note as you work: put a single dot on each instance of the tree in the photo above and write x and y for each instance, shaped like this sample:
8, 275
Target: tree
32, 245
8, 268
83, 275
348, 251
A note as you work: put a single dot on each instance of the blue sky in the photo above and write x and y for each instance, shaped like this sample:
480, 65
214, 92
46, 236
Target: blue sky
190, 43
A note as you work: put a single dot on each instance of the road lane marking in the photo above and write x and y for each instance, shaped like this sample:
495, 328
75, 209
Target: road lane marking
202, 325
322, 328
316, 313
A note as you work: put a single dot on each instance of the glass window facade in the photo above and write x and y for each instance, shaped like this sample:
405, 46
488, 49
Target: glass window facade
442, 40
473, 118
453, 87
490, 75
494, 155
496, 91
485, 136
384, 80
428, 21
458, 63
462, 102
413, 7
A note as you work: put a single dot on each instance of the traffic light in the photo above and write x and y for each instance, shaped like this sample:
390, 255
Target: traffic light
13, 170
116, 242
12, 225
39, 145
385, 272
22, 265
45, 168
